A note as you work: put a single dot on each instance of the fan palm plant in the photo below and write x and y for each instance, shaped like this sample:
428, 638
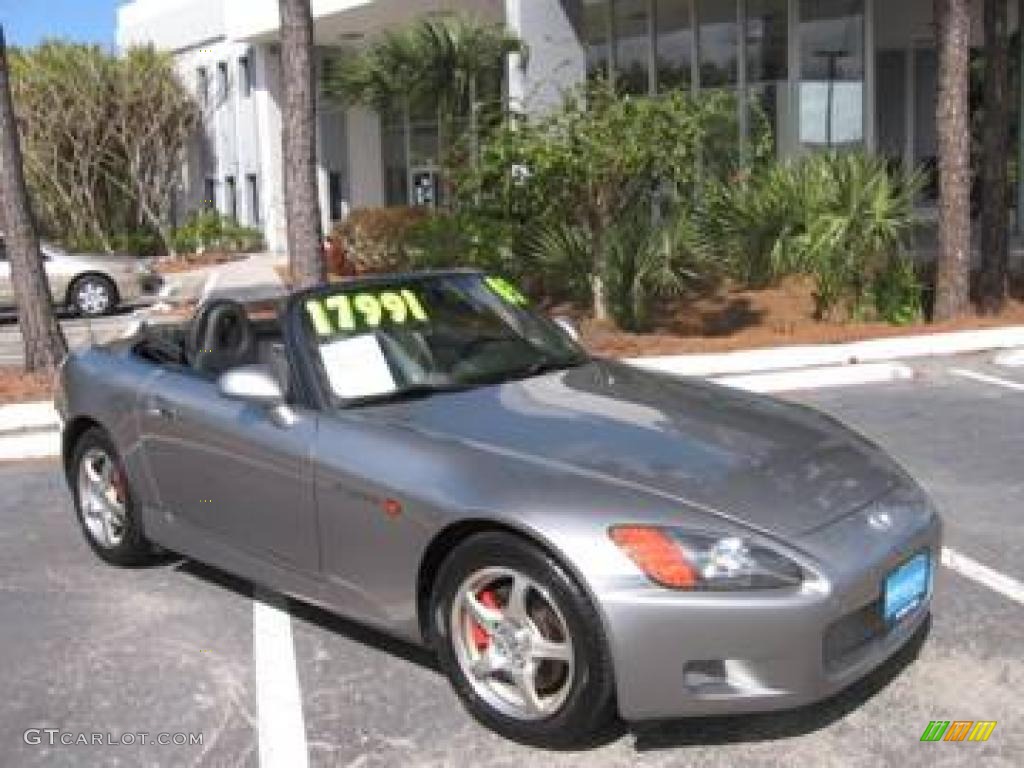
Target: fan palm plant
445, 63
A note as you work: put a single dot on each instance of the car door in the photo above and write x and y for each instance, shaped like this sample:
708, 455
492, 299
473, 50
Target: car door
222, 468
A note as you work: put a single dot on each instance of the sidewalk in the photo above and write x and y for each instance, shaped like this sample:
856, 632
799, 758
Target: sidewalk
253, 279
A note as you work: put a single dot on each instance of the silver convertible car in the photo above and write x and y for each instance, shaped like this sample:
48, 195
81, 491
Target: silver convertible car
575, 538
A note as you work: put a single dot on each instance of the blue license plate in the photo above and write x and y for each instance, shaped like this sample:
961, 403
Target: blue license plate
906, 587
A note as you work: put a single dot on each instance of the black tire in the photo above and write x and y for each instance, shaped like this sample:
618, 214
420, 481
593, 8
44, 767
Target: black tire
589, 707
132, 548
87, 294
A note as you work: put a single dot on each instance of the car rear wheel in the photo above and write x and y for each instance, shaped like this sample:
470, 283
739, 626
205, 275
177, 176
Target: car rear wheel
104, 502
93, 295
521, 643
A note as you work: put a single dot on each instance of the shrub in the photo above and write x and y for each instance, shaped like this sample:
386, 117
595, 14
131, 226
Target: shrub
375, 239
841, 218
208, 230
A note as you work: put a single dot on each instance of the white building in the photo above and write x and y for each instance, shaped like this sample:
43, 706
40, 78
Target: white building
823, 73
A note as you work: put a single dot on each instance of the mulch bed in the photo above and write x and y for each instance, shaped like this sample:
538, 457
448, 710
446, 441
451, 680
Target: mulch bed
189, 261
16, 386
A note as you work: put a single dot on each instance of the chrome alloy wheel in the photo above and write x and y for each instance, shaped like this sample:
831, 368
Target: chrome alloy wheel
512, 643
93, 298
101, 494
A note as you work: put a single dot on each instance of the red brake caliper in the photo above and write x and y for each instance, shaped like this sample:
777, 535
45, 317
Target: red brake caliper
480, 636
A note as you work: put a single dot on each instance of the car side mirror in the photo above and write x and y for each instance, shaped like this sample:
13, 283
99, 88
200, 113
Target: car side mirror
256, 384
567, 325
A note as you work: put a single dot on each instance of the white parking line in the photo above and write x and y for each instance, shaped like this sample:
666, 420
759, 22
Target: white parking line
986, 379
282, 729
975, 571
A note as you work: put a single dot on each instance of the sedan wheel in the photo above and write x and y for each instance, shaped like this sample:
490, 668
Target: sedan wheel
521, 642
104, 501
93, 296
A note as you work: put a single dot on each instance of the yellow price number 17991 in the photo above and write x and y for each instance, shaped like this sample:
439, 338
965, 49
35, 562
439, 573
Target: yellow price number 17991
342, 312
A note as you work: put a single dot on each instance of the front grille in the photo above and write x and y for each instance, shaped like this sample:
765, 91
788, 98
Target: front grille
848, 638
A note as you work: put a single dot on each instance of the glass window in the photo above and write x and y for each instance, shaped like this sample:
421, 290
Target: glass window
674, 44
202, 85
396, 167
230, 198
632, 46
222, 79
767, 69
245, 76
595, 35
718, 43
831, 72
252, 182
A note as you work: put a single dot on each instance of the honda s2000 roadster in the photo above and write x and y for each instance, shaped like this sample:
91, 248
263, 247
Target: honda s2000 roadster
575, 538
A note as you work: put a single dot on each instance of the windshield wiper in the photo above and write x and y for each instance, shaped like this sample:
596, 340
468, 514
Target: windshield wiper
547, 365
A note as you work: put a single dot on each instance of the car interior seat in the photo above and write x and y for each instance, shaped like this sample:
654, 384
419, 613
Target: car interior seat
220, 338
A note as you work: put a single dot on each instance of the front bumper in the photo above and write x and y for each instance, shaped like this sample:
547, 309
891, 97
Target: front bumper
685, 654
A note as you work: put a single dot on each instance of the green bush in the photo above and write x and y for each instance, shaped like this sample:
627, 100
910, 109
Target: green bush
209, 231
841, 218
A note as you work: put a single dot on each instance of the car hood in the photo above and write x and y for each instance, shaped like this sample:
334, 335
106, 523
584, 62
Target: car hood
776, 467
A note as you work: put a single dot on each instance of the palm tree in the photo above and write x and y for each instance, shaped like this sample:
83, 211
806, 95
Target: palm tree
995, 219
43, 339
298, 140
444, 63
952, 290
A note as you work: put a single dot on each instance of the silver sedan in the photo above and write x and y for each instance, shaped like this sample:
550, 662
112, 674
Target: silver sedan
90, 284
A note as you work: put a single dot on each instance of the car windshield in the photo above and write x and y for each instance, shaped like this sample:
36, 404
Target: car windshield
393, 339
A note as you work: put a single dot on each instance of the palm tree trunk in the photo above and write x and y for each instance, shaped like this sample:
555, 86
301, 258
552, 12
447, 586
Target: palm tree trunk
41, 334
952, 297
298, 138
995, 219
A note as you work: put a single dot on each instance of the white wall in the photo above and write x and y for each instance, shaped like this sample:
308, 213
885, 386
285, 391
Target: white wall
557, 60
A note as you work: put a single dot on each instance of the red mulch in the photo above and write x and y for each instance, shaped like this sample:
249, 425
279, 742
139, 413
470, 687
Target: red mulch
190, 261
732, 318
16, 386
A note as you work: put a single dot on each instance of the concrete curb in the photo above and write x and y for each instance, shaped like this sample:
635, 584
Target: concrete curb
819, 378
872, 350
31, 445
21, 417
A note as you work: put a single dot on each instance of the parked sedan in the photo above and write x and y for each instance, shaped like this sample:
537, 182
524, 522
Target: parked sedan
91, 284
573, 537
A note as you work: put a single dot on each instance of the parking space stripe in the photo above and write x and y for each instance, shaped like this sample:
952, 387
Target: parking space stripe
282, 729
986, 379
1005, 585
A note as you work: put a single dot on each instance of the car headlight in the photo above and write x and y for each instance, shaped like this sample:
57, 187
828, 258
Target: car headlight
680, 559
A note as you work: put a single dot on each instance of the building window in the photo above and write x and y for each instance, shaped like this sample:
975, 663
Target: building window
222, 79
202, 85
718, 43
253, 185
831, 73
336, 196
673, 44
767, 49
396, 166
632, 26
597, 34
210, 194
230, 198
245, 76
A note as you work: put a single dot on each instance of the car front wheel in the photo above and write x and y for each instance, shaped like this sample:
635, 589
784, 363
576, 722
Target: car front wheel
104, 502
521, 643
93, 295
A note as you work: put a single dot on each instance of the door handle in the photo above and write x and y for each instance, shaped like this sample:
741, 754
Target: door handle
161, 411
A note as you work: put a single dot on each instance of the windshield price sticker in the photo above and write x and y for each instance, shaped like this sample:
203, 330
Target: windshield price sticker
342, 312
506, 291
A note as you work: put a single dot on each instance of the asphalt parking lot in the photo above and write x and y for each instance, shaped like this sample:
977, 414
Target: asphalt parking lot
172, 648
